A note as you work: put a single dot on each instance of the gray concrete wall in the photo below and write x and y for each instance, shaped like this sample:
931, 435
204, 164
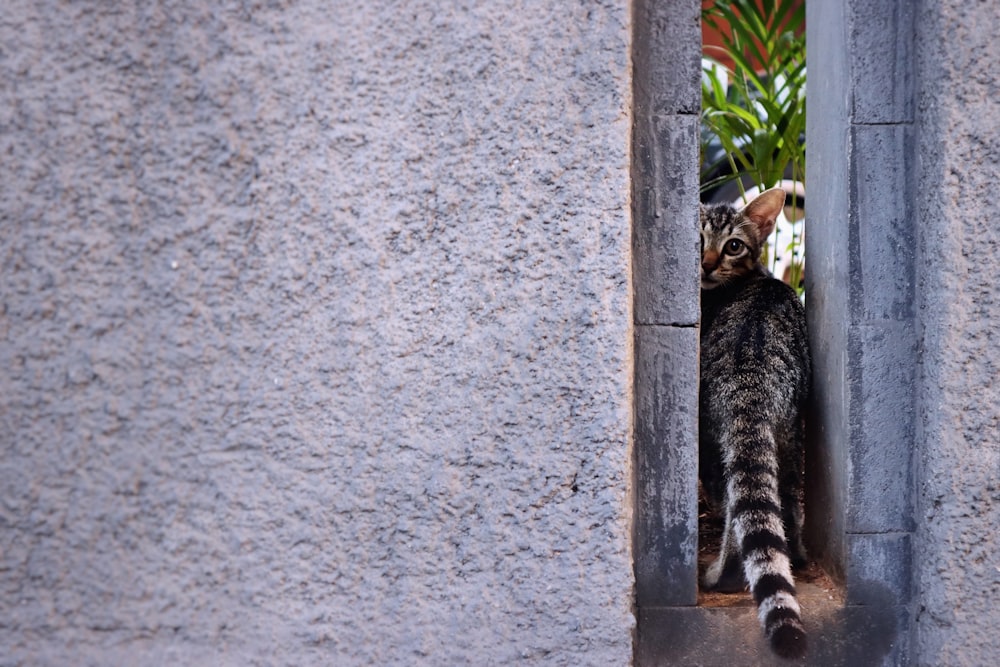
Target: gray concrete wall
902, 173
860, 290
827, 279
957, 117
316, 333
666, 53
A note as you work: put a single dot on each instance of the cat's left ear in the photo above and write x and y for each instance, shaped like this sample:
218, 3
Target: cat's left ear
764, 210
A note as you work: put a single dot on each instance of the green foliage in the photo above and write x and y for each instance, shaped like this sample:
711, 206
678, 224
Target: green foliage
759, 117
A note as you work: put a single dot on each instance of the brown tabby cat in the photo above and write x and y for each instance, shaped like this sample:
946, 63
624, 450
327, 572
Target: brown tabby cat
755, 377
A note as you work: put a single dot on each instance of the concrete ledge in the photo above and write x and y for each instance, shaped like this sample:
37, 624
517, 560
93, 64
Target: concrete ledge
858, 636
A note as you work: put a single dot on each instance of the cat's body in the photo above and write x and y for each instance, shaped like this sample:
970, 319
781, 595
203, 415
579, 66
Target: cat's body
755, 377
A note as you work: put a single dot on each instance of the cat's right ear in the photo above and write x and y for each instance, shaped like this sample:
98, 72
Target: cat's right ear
764, 210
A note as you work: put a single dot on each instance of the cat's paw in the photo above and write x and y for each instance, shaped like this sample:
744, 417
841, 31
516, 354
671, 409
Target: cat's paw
724, 578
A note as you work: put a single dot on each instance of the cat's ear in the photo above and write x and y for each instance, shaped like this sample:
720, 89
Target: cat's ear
764, 210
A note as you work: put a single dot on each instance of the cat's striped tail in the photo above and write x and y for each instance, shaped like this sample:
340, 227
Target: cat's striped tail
760, 534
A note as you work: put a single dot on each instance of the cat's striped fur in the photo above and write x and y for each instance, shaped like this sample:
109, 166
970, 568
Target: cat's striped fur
755, 376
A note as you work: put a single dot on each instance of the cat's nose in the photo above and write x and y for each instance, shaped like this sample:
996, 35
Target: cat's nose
709, 262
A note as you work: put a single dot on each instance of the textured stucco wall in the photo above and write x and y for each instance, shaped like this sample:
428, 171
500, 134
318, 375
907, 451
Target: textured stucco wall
315, 333
958, 116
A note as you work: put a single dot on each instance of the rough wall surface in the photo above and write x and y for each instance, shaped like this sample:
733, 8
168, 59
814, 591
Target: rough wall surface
315, 333
958, 112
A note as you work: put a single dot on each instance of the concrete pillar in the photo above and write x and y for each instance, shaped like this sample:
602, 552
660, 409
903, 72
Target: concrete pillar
666, 51
860, 284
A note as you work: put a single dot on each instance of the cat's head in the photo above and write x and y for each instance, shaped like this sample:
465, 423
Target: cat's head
732, 239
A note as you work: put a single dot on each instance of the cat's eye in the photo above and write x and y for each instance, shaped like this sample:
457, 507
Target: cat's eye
733, 246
